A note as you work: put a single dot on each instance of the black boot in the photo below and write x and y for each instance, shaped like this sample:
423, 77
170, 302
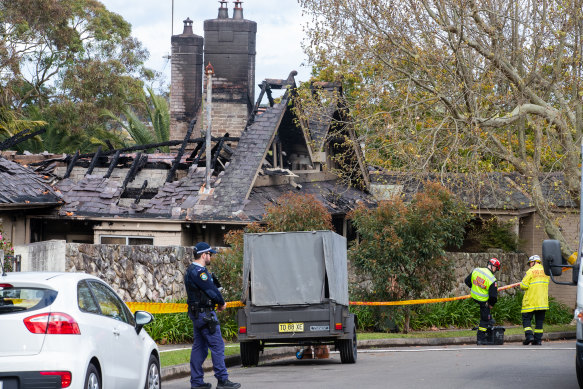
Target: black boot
538, 339
228, 385
482, 338
529, 338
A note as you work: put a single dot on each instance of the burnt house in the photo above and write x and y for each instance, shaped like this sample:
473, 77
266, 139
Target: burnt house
259, 149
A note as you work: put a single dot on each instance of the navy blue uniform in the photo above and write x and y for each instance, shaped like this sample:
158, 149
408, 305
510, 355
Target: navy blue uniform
202, 296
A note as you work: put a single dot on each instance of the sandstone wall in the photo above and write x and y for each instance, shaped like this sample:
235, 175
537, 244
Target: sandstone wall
155, 273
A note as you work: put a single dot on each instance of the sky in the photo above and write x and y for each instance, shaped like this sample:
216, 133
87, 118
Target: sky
279, 31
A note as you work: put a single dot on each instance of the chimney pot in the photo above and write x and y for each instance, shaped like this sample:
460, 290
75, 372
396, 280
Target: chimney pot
238, 11
187, 27
223, 11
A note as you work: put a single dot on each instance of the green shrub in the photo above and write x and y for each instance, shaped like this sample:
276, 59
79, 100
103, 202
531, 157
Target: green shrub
457, 314
174, 328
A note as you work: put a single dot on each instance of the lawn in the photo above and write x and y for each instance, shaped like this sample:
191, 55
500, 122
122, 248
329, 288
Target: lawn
178, 357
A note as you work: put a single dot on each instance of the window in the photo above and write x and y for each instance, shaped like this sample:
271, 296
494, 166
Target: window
14, 299
85, 298
110, 304
127, 240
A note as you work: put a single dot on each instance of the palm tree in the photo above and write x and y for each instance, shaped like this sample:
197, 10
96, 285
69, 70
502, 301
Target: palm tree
158, 129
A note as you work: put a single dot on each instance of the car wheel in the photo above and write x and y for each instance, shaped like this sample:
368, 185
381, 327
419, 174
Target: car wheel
92, 378
347, 348
153, 380
250, 353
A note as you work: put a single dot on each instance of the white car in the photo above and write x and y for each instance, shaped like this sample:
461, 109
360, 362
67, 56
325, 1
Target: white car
71, 330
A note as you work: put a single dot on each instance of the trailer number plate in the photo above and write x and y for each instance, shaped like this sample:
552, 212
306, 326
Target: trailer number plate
291, 327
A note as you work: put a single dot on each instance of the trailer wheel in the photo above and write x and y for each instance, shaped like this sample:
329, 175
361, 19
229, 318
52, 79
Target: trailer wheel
250, 353
347, 348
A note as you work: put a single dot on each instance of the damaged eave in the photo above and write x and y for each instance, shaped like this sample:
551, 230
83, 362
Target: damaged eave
24, 206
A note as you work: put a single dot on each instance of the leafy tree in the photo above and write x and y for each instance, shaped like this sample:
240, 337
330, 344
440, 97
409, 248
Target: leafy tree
158, 115
65, 61
294, 212
402, 245
468, 86
291, 212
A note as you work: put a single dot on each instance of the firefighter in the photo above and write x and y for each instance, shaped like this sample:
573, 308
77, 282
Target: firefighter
484, 292
535, 301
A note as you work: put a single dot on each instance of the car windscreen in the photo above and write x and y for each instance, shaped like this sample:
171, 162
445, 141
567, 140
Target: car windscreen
18, 299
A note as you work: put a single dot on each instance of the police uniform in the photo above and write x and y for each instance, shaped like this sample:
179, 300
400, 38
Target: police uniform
485, 293
535, 302
202, 296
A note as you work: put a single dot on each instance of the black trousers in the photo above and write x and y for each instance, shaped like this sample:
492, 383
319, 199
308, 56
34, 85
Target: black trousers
485, 319
539, 318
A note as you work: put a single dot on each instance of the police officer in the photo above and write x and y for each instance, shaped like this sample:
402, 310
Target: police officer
484, 292
203, 295
535, 301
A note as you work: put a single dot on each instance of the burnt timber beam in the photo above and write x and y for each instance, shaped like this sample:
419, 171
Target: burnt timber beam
170, 175
217, 151
112, 164
93, 161
71, 165
195, 162
142, 189
264, 86
20, 137
139, 161
196, 149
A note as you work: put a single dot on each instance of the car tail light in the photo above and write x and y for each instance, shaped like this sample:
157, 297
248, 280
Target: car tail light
55, 323
5, 286
242, 330
65, 377
338, 326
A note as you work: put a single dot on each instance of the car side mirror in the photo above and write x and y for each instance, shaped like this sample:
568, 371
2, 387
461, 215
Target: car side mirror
142, 318
552, 258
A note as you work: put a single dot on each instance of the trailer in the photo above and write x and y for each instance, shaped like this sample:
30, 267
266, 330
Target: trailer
295, 291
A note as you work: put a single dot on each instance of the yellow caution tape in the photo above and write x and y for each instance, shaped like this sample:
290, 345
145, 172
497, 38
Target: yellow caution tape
170, 307
178, 308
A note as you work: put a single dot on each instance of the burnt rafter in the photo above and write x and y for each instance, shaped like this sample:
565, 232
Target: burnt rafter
215, 153
20, 137
141, 193
112, 164
93, 161
266, 86
139, 162
170, 176
71, 165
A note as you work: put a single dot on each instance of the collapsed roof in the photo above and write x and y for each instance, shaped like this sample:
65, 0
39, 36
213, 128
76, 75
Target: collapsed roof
133, 183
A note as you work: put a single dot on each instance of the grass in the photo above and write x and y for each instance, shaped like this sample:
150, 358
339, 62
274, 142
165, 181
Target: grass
178, 357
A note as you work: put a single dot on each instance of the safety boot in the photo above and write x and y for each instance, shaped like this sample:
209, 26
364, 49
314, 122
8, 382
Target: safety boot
538, 339
482, 338
529, 338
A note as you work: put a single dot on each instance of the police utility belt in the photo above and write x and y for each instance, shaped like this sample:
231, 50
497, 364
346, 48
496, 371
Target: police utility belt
196, 309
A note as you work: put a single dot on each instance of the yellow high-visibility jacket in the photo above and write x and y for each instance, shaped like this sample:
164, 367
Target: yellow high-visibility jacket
536, 284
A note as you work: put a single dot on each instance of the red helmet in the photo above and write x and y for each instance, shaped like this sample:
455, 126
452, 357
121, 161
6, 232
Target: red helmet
495, 262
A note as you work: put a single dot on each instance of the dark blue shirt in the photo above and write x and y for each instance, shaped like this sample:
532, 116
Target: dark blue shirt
198, 276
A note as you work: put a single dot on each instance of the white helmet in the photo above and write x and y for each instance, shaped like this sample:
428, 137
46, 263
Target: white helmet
534, 258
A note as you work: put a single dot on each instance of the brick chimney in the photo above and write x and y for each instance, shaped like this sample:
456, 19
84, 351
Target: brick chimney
230, 48
185, 80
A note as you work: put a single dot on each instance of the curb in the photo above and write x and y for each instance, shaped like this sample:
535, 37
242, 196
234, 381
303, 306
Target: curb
180, 371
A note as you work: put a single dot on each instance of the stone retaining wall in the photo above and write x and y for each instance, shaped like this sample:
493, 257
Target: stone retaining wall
155, 273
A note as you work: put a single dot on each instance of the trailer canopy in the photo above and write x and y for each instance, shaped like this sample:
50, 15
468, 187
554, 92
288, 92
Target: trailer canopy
288, 268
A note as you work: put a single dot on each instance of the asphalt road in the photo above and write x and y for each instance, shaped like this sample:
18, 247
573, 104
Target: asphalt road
508, 366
